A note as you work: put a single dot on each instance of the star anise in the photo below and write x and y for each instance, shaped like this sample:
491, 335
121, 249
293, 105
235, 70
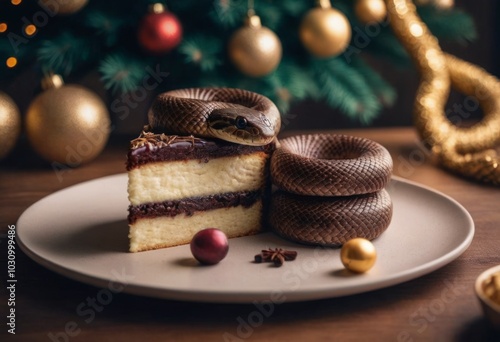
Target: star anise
277, 256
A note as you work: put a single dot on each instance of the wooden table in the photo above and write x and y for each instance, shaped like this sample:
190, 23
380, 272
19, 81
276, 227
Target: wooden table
46, 303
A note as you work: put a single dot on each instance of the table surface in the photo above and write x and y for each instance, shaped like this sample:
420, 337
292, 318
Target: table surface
422, 309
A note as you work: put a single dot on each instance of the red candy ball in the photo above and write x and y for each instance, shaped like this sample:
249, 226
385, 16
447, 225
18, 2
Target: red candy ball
160, 32
209, 246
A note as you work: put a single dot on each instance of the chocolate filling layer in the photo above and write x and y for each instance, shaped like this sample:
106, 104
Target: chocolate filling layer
189, 206
159, 148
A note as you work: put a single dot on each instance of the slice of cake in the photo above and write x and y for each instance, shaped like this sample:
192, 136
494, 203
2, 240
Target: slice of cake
179, 185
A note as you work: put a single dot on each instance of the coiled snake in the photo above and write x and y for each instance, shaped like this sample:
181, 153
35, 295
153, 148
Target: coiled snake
332, 189
467, 151
234, 115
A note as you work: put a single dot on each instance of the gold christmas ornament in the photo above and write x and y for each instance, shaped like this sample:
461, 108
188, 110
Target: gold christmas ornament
63, 7
10, 124
369, 11
325, 31
254, 49
67, 124
469, 151
358, 255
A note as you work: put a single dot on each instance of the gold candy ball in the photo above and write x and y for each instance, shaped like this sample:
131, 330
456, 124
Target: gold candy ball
358, 255
255, 50
325, 32
68, 124
369, 11
10, 124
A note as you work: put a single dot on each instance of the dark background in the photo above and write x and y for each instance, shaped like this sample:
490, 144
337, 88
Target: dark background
485, 51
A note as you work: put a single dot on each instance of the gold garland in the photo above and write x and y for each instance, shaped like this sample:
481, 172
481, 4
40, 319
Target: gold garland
466, 151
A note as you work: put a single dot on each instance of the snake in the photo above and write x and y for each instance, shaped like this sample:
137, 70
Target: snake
330, 165
234, 115
312, 171
331, 189
468, 151
330, 221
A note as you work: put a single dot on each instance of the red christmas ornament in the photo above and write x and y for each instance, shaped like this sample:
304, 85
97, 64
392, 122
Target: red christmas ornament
159, 31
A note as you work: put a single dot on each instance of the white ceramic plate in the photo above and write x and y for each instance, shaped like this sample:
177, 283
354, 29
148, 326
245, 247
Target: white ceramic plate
81, 232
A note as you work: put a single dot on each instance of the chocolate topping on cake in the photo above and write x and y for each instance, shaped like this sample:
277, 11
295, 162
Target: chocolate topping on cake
150, 147
189, 206
161, 140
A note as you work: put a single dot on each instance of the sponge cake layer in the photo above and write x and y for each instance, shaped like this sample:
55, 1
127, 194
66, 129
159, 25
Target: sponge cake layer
175, 180
164, 231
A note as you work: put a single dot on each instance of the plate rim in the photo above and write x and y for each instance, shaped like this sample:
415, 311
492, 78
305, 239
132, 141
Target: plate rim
211, 296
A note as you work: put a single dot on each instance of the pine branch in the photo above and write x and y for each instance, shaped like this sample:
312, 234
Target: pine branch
202, 51
452, 25
270, 13
107, 26
345, 88
63, 54
121, 73
387, 46
290, 83
228, 13
295, 8
383, 90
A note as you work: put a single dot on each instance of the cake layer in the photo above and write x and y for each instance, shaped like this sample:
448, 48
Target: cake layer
149, 148
175, 180
165, 231
189, 206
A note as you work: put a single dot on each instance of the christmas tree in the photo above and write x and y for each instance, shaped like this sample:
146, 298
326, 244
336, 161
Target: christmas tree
124, 42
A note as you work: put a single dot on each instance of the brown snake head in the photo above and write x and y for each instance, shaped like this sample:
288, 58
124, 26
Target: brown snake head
235, 115
241, 125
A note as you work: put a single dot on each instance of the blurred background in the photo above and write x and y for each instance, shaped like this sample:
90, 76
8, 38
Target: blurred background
22, 82
484, 51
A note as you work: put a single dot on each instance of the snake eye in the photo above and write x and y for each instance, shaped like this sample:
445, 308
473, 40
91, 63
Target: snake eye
241, 122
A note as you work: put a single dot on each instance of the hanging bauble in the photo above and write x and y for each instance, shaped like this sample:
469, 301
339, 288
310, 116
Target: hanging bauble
160, 30
254, 49
63, 7
10, 124
325, 31
370, 11
67, 124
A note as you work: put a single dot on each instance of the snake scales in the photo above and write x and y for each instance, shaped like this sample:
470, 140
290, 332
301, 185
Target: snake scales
332, 189
234, 115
